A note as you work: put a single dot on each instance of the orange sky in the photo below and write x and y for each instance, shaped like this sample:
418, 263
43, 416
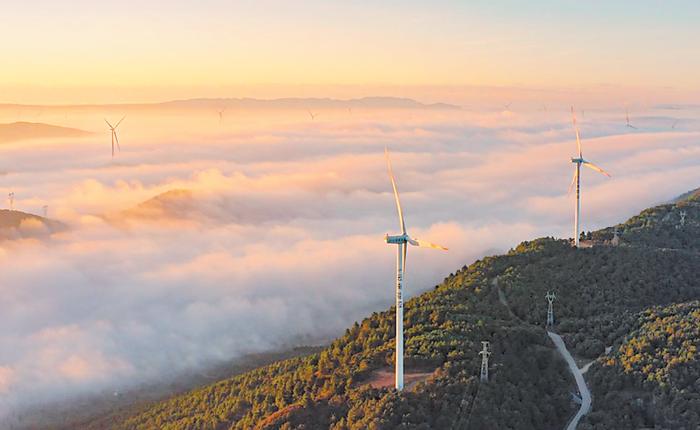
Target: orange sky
86, 51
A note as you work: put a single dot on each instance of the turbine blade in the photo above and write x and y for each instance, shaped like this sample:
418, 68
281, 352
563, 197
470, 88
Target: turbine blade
573, 181
425, 244
396, 191
110, 125
120, 121
578, 136
596, 168
112, 143
116, 138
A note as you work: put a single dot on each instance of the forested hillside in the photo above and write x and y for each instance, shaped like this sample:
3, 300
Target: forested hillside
653, 377
638, 296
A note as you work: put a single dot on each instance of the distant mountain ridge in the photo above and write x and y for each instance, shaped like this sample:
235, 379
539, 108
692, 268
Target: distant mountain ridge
311, 103
278, 103
36, 130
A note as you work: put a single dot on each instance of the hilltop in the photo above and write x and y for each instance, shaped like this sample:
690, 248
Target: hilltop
627, 308
18, 224
176, 203
36, 130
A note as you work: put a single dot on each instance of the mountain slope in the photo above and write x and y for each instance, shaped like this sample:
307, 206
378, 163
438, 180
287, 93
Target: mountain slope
177, 203
18, 224
602, 292
35, 130
653, 377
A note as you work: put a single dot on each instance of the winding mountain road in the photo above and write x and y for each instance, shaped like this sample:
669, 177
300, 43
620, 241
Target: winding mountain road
582, 387
561, 347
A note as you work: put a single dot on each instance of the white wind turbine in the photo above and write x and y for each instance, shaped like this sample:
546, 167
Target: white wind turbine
576, 181
627, 117
221, 115
402, 241
114, 134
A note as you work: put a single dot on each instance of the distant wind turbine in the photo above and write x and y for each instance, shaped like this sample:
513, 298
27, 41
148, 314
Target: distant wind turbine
11, 200
311, 114
673, 127
627, 115
507, 106
577, 177
114, 134
402, 241
221, 115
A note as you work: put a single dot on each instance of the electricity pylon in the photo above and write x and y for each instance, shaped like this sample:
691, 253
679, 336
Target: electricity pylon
550, 312
485, 353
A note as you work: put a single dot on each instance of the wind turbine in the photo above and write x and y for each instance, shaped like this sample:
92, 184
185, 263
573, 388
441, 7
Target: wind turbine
402, 241
221, 115
11, 200
577, 177
114, 134
627, 114
311, 114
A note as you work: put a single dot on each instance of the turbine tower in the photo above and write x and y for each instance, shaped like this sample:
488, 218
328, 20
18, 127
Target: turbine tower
114, 134
576, 181
616, 238
11, 200
550, 312
402, 241
485, 353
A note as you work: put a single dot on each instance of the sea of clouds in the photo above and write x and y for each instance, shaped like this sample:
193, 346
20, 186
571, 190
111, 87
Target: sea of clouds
278, 240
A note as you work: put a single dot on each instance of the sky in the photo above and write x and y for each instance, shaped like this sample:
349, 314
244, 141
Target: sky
85, 51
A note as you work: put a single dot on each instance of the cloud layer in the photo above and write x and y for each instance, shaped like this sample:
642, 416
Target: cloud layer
277, 239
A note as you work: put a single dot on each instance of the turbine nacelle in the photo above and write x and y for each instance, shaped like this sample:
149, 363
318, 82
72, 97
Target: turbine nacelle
397, 240
578, 160
405, 238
